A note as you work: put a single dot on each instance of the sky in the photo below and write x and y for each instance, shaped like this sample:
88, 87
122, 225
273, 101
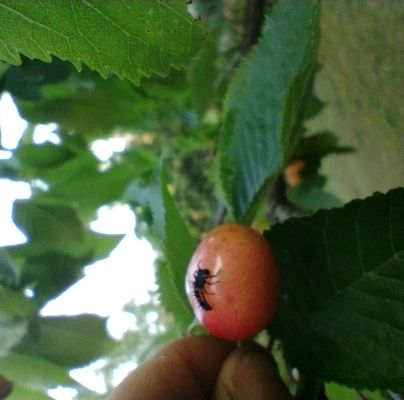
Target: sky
127, 274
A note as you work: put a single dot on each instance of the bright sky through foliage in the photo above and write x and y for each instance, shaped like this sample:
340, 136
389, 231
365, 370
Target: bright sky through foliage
108, 284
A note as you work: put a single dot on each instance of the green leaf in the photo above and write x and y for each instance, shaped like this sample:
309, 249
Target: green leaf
48, 226
15, 309
341, 315
178, 246
88, 104
3, 69
319, 145
26, 80
11, 333
19, 392
46, 155
202, 76
310, 194
8, 271
338, 392
265, 102
314, 105
67, 341
85, 103
54, 228
33, 373
14, 304
81, 183
59, 247
92, 188
100, 245
84, 159
130, 39
50, 273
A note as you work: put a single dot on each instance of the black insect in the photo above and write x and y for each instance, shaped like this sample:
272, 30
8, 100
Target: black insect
202, 277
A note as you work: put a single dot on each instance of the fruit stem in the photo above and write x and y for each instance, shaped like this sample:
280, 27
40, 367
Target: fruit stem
309, 388
5, 387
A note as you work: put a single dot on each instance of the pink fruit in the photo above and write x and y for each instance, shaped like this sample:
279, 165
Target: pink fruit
232, 282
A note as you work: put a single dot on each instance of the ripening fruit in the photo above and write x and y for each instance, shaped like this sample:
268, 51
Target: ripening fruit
232, 282
293, 172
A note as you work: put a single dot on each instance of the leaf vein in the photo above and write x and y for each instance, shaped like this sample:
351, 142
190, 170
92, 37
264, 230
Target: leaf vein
306, 273
358, 243
327, 253
32, 22
390, 219
97, 52
377, 322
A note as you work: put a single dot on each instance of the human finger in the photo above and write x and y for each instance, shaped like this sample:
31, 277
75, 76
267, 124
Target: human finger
249, 373
185, 369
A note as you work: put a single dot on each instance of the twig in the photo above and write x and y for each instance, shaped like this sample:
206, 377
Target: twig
5, 387
309, 388
279, 207
361, 395
253, 20
220, 215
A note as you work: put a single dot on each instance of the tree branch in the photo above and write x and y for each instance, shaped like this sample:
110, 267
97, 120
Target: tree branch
5, 387
253, 20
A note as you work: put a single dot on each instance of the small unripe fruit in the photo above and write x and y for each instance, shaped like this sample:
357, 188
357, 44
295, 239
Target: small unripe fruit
232, 282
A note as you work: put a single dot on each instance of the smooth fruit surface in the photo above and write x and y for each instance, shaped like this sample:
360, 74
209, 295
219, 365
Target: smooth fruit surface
232, 282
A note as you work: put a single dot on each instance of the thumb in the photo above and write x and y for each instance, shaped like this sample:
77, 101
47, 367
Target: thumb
247, 374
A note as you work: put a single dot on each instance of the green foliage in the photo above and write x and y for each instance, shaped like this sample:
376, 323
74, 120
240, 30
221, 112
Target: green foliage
14, 304
144, 37
342, 291
88, 104
176, 242
28, 79
98, 108
204, 66
23, 371
14, 313
50, 272
338, 392
67, 341
8, 271
20, 392
58, 246
57, 228
49, 225
265, 103
310, 194
85, 103
46, 156
81, 181
3, 68
315, 147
